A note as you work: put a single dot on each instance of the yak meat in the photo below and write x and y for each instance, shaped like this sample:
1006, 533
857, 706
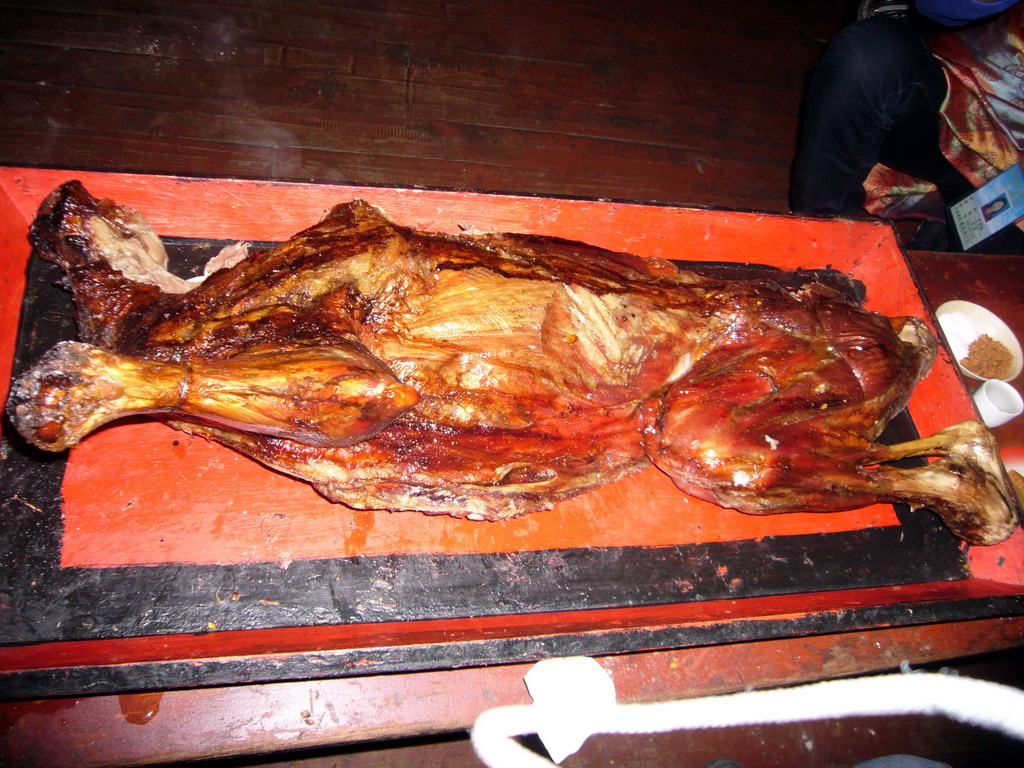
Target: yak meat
488, 376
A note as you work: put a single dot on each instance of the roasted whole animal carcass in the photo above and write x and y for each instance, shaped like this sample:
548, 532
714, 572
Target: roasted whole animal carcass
489, 376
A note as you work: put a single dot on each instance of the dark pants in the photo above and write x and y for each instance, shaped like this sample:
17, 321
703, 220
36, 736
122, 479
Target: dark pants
874, 97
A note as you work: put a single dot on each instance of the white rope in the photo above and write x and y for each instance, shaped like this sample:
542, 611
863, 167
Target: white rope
974, 702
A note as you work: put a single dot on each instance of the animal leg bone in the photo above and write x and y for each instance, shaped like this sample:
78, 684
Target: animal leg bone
324, 396
966, 484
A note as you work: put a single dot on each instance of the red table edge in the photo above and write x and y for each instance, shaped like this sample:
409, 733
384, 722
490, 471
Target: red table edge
137, 729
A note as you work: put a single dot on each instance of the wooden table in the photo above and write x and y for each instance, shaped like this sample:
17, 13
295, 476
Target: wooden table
995, 282
177, 695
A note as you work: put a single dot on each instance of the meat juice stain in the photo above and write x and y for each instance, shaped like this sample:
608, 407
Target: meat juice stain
361, 526
14, 711
139, 708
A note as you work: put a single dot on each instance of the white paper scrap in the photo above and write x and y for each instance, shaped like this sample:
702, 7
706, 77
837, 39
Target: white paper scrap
573, 697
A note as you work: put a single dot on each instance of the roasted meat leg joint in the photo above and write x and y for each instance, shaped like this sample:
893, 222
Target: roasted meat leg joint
488, 376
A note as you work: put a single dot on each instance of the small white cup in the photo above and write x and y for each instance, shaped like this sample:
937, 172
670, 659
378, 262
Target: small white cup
998, 402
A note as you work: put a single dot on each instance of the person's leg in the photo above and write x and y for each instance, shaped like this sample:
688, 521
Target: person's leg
911, 145
874, 97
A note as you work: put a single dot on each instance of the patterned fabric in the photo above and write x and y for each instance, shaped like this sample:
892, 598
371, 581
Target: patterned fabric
982, 132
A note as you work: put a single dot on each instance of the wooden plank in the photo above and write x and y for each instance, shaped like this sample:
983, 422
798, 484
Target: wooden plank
431, 156
138, 30
295, 100
229, 82
92, 150
651, 61
691, 102
392, 151
660, 86
262, 719
707, 129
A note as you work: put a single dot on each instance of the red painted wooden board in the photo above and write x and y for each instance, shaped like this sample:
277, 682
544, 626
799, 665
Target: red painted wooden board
143, 493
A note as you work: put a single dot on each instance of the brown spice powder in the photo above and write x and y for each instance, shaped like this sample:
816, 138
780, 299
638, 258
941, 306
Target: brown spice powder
988, 358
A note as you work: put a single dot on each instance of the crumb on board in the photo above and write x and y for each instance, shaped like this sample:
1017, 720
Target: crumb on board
988, 358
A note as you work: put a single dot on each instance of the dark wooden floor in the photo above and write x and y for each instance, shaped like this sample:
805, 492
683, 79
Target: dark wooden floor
684, 101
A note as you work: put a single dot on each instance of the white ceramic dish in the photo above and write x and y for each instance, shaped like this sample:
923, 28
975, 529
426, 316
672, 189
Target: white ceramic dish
962, 322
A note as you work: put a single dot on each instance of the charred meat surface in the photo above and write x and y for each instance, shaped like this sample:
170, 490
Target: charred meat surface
489, 376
